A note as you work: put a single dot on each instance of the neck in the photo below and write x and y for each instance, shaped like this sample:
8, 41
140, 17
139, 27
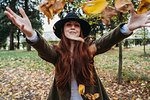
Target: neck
72, 46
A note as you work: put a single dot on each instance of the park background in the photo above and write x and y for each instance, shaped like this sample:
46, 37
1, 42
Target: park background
23, 75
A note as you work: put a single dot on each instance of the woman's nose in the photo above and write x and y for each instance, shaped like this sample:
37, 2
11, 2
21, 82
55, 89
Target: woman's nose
73, 26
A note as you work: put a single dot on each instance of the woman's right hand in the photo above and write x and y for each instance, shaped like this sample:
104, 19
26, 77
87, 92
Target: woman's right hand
23, 23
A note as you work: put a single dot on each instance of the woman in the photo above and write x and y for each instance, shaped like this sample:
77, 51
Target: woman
73, 56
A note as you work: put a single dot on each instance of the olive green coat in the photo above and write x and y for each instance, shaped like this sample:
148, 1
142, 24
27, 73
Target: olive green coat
48, 53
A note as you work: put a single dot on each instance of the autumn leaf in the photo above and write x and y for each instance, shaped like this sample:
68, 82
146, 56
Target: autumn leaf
70, 0
81, 89
143, 7
123, 5
51, 7
107, 13
58, 6
94, 7
96, 95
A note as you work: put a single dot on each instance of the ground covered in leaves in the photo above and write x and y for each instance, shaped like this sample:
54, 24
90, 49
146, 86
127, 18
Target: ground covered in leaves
24, 76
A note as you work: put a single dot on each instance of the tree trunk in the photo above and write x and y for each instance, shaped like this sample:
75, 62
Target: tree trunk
120, 63
120, 55
11, 39
18, 39
144, 42
28, 47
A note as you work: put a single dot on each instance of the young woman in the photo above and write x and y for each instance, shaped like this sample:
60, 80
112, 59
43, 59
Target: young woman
73, 56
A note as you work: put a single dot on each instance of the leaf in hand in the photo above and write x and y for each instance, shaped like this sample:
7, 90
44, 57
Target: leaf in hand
107, 13
123, 5
143, 7
94, 7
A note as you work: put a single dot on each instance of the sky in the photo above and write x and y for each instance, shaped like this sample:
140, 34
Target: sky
49, 27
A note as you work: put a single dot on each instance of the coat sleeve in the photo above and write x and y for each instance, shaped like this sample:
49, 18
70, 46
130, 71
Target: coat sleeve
107, 41
45, 50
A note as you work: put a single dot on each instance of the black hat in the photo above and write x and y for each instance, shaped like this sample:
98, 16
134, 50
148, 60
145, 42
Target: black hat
86, 28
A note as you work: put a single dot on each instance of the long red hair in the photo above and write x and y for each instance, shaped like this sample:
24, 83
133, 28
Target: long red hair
80, 62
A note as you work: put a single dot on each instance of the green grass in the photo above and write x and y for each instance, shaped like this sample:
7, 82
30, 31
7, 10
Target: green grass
134, 65
16, 59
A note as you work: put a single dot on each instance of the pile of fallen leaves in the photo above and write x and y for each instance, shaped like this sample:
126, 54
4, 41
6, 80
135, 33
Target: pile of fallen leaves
27, 77
102, 7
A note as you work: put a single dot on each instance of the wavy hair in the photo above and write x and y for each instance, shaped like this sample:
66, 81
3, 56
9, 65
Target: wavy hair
80, 63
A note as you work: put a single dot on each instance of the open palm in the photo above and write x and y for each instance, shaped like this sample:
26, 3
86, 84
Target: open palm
139, 20
21, 22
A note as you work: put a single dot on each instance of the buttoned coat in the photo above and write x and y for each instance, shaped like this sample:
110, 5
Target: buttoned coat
49, 53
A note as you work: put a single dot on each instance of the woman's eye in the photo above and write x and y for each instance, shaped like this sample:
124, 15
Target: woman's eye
77, 25
68, 24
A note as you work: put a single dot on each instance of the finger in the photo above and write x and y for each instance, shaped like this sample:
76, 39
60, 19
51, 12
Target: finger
11, 18
8, 14
146, 25
11, 12
22, 13
147, 22
132, 12
22, 27
148, 12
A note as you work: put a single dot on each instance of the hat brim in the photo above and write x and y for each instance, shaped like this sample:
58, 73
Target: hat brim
85, 27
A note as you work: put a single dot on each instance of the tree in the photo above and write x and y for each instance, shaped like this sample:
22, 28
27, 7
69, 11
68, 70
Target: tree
142, 33
33, 14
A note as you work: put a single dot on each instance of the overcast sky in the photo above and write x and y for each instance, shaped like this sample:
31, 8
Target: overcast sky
49, 27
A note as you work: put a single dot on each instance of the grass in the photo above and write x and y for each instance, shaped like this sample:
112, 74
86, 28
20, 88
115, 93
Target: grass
18, 58
134, 65
27, 74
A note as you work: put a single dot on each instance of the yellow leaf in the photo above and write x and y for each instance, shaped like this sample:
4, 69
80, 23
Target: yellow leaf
123, 5
94, 7
81, 89
115, 98
143, 7
96, 95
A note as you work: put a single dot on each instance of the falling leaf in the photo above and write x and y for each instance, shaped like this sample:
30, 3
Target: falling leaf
58, 6
94, 7
115, 98
143, 7
123, 5
81, 89
96, 95
107, 13
70, 0
51, 7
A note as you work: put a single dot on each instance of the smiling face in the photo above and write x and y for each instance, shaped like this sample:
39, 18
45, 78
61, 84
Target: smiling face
72, 29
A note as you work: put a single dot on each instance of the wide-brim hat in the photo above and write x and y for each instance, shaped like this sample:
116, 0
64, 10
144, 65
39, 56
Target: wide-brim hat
85, 27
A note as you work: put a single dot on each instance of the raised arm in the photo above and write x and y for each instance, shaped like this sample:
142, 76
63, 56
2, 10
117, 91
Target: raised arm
136, 21
23, 23
45, 51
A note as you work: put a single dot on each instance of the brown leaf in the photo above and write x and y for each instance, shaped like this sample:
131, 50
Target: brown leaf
70, 0
58, 6
123, 5
107, 13
51, 7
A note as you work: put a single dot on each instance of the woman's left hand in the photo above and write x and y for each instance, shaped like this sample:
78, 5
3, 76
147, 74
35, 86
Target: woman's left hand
138, 20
